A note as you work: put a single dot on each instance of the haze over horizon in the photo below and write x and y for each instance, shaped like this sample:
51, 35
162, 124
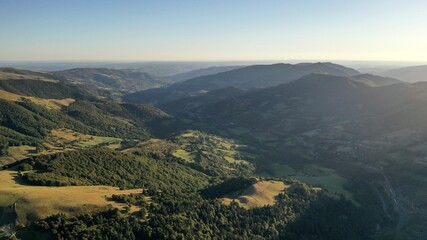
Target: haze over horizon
213, 31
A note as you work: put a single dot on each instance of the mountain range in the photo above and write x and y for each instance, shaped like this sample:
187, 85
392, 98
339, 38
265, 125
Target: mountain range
257, 76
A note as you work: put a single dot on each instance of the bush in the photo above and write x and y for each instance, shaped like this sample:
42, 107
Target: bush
25, 167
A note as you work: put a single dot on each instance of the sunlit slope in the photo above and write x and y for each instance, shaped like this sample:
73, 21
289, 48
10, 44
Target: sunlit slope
36, 202
257, 195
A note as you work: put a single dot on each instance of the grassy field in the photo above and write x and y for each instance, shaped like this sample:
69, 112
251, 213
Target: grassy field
35, 202
45, 102
259, 194
21, 152
227, 149
17, 153
315, 175
184, 155
60, 139
57, 141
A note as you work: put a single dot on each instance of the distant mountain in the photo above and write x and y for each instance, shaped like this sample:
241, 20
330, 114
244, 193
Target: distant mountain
124, 80
409, 74
257, 76
374, 80
202, 72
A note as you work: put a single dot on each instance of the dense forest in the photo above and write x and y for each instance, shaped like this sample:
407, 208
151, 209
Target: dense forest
45, 89
300, 213
103, 166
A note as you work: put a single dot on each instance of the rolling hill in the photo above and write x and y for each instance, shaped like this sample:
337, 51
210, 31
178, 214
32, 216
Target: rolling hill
409, 74
374, 80
123, 80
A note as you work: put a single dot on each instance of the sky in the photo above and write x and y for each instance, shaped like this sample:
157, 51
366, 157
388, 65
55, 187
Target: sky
213, 30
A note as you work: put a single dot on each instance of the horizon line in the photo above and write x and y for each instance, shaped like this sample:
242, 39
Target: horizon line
204, 60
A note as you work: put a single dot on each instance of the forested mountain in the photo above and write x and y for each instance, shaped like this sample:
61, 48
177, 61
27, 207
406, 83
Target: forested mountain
185, 104
257, 76
31, 123
45, 89
33, 107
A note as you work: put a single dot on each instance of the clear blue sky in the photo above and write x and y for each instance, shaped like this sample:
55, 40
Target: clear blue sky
213, 30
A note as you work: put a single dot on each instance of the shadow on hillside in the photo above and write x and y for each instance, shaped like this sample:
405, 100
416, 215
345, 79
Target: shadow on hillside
330, 219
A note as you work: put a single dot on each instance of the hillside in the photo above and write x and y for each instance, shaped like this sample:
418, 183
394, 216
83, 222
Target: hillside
28, 121
103, 82
409, 74
375, 81
258, 76
186, 104
175, 207
202, 72
44, 89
